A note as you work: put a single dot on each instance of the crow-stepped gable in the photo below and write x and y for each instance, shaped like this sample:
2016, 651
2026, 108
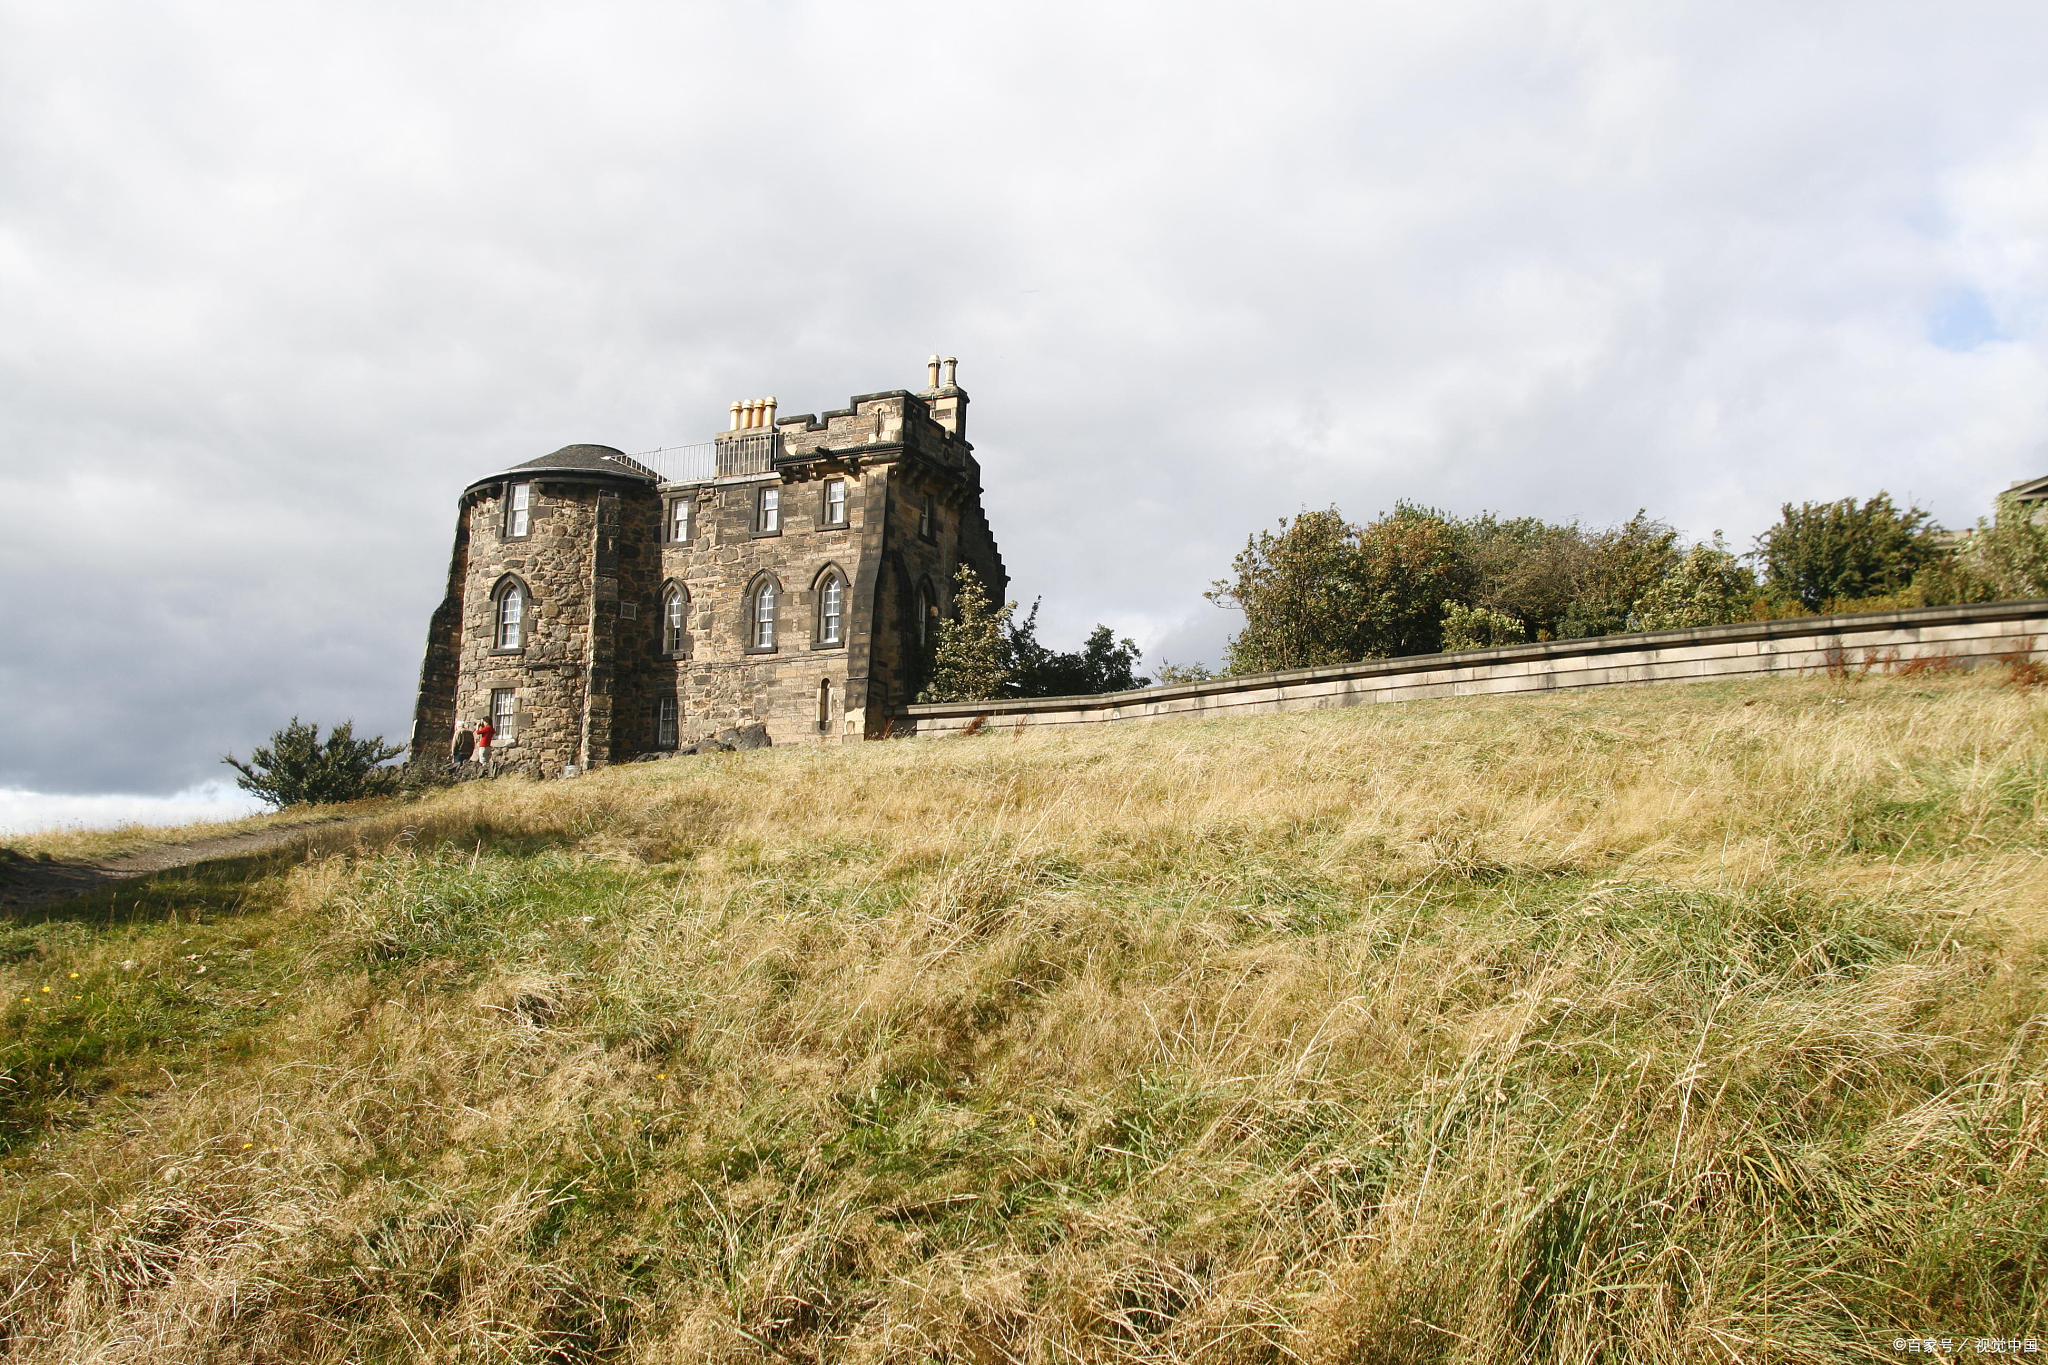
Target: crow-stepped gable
788, 573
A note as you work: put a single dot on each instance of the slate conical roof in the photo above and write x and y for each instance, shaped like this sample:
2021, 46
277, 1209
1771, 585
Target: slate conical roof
582, 459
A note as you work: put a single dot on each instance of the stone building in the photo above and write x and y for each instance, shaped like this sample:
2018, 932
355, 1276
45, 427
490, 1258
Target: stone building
789, 573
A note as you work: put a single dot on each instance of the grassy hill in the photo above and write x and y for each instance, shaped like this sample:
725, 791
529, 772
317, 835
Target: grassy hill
1646, 1025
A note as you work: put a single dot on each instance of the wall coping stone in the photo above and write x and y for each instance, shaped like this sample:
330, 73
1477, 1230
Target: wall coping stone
1549, 652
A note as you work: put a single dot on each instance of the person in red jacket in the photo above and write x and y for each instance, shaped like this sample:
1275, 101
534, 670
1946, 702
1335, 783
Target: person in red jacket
483, 742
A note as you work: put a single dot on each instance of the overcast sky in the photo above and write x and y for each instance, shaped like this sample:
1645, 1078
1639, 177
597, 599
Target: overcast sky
279, 279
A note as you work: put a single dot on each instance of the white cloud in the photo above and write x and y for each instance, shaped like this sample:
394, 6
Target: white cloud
27, 812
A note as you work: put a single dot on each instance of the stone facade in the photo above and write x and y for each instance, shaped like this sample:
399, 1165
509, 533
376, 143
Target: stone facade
639, 621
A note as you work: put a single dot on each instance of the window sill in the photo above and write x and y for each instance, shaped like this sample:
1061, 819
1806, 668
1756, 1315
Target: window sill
828, 644
766, 535
677, 656
506, 653
514, 540
762, 649
832, 525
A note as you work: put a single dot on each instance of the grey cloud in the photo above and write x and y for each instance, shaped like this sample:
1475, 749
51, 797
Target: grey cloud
282, 279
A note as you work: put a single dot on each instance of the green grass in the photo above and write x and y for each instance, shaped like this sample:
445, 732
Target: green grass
1661, 1025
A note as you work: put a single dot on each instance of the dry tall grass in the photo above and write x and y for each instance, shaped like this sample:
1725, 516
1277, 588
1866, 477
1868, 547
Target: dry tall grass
1672, 1025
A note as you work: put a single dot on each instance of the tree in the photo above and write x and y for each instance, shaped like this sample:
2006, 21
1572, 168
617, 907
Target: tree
1704, 588
968, 662
296, 768
1622, 563
1823, 552
1527, 569
1183, 673
1104, 663
2002, 559
1410, 562
1300, 594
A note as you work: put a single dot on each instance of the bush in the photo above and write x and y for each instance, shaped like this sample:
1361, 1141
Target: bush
1479, 627
295, 768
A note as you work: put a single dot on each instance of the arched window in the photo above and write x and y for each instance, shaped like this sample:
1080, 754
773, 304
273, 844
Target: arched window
831, 608
675, 619
761, 615
511, 616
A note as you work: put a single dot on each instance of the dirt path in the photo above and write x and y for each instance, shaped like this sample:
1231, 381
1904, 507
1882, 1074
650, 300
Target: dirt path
31, 884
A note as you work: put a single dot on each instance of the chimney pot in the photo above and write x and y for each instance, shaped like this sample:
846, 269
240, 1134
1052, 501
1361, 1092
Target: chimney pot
932, 373
952, 368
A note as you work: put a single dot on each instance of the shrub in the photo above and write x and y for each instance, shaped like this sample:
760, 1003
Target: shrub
1479, 628
296, 768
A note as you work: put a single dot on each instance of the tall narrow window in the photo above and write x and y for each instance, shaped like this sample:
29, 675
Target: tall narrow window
835, 502
927, 614
512, 617
764, 616
675, 619
768, 514
665, 723
679, 520
518, 509
824, 706
831, 608
504, 714
926, 517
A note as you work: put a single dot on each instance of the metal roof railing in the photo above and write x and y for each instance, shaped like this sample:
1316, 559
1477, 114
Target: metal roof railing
727, 458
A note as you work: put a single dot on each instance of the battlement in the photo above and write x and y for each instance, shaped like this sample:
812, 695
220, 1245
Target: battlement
879, 425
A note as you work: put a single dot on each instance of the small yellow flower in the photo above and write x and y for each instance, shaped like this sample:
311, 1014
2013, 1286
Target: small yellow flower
46, 990
74, 976
247, 1145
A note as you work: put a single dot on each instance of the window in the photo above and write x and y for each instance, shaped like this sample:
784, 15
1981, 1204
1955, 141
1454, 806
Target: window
927, 614
831, 608
675, 619
768, 512
835, 502
518, 509
927, 517
824, 705
764, 616
504, 714
629, 611
665, 723
679, 520
512, 617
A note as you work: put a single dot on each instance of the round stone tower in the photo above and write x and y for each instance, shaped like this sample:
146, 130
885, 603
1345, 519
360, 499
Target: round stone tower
529, 635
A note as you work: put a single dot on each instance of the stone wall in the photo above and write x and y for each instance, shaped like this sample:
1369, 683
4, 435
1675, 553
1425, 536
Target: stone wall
1963, 636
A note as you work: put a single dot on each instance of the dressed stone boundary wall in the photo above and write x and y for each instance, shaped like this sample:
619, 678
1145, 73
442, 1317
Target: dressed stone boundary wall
1862, 642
